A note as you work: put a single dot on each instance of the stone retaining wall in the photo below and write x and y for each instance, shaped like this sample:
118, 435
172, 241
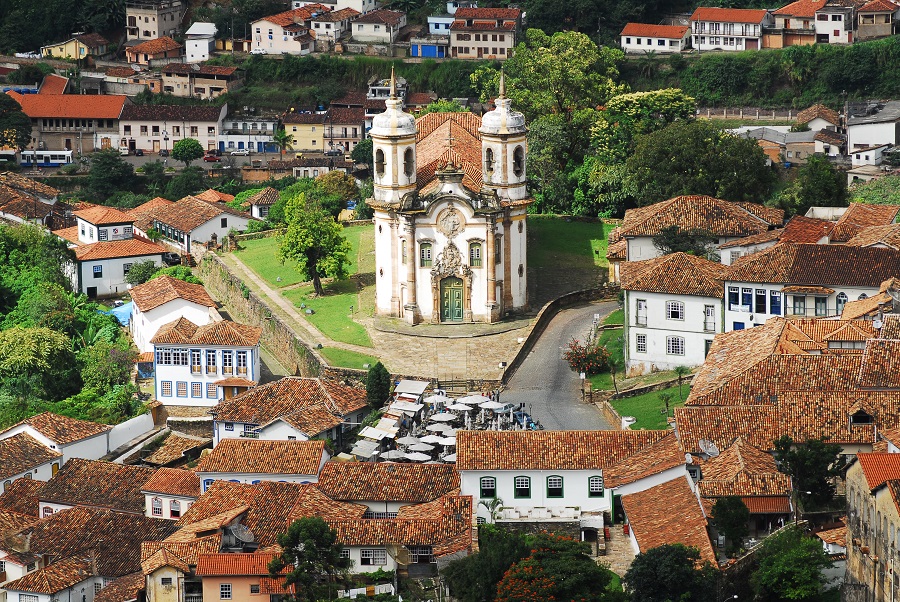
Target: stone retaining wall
258, 235
195, 428
686, 381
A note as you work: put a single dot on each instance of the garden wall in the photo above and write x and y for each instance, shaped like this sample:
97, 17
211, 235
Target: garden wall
666, 384
126, 431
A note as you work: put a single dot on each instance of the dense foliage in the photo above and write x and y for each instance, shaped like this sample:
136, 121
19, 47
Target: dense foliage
813, 467
475, 577
311, 557
673, 239
732, 520
378, 385
816, 184
586, 357
15, 126
671, 572
187, 150
880, 191
790, 568
26, 25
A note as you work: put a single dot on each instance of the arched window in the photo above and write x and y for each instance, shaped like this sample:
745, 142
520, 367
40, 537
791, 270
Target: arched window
522, 487
425, 254
674, 310
409, 163
554, 486
863, 296
519, 161
156, 505
379, 162
488, 160
403, 252
488, 487
175, 509
475, 254
841, 301
595, 486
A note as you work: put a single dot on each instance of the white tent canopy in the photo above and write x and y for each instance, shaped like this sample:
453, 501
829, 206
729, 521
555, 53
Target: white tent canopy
412, 387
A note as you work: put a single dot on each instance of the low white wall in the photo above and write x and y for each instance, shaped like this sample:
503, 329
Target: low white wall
128, 430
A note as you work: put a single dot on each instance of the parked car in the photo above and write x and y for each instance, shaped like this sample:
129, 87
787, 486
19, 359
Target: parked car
241, 151
171, 259
336, 152
211, 159
138, 153
164, 153
524, 420
123, 150
258, 51
507, 408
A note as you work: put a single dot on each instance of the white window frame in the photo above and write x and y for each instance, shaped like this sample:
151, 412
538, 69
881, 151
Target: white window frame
674, 345
225, 591
674, 310
373, 557
640, 343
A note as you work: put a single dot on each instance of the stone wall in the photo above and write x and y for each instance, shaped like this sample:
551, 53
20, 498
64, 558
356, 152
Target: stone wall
855, 592
666, 384
258, 235
568, 528
195, 428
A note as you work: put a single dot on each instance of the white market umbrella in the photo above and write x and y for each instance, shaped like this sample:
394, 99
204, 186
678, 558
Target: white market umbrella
408, 440
449, 458
491, 405
421, 447
432, 439
473, 399
393, 454
448, 441
460, 407
435, 399
438, 428
418, 457
444, 417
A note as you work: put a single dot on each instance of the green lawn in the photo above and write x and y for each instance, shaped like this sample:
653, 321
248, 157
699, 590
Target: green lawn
616, 317
613, 342
347, 359
648, 408
615, 583
554, 242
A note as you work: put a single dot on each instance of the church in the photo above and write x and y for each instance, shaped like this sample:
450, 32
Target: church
450, 202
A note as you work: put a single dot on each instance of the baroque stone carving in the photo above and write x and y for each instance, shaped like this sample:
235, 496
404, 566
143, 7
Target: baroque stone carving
450, 223
449, 262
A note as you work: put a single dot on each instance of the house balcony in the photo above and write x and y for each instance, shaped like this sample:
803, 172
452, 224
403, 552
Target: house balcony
193, 598
250, 435
210, 369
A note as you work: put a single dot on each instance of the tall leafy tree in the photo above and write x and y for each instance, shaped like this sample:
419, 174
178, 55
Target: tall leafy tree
311, 555
338, 183
673, 239
15, 125
813, 466
732, 520
187, 150
108, 174
315, 241
475, 577
671, 572
362, 152
37, 363
790, 568
817, 184
283, 141
378, 385
443, 106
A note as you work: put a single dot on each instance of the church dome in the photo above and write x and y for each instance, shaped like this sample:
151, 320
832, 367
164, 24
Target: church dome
503, 120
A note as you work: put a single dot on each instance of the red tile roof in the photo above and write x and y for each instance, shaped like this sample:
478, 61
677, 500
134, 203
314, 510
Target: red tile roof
21, 497
298, 15
817, 110
157, 46
52, 579
286, 396
266, 196
78, 106
142, 214
879, 468
676, 273
225, 332
234, 565
123, 589
21, 453
387, 481
801, 8
204, 69
192, 113
175, 448
177, 554
312, 421
174, 481
729, 15
190, 212
164, 289
383, 16
13, 522
100, 484
211, 195
28, 185
352, 115
53, 84
653, 459
859, 216
721, 218
304, 118
548, 450
888, 235
773, 504
100, 215
433, 150
878, 6
61, 429
264, 457
668, 514
337, 15
674, 32
136, 246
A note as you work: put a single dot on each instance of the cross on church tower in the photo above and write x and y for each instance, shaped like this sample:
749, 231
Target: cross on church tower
450, 140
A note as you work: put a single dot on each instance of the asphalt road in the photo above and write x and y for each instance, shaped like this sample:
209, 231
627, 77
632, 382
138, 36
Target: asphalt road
550, 389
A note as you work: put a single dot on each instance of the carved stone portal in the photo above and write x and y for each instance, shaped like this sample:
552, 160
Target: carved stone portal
449, 263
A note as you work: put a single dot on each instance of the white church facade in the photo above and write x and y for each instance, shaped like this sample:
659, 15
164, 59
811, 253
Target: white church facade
450, 203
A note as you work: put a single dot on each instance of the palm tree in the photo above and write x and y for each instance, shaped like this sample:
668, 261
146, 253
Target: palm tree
648, 64
282, 140
493, 507
681, 372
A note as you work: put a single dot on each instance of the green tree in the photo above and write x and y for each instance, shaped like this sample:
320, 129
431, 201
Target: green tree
37, 362
179, 272
46, 304
474, 578
443, 106
105, 365
187, 150
696, 157
378, 385
340, 184
732, 520
362, 152
30, 256
671, 572
558, 568
155, 177
813, 467
283, 141
191, 180
790, 568
817, 184
880, 191
15, 125
311, 554
315, 241
141, 272
673, 239
108, 174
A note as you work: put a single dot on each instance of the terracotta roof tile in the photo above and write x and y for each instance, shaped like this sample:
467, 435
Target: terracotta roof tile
62, 429
204, 69
214, 196
879, 468
387, 17
100, 215
52, 579
488, 13
159, 291
174, 481
142, 215
817, 110
838, 535
13, 202
235, 381
888, 235
229, 565
801, 8
420, 98
729, 15
174, 449
192, 113
386, 481
177, 554
13, 522
890, 328
433, 150
285, 396
120, 72
266, 196
878, 6
312, 420
298, 15
311, 501
92, 40
352, 116
136, 246
676, 273
674, 32
304, 118
772, 504
53, 84
96, 483
224, 332
743, 470
21, 497
77, 106
189, 213
266, 457
722, 218
482, 25
548, 450
27, 185
123, 589
617, 250
21, 453
653, 459
829, 137
163, 44
861, 215
667, 514
880, 364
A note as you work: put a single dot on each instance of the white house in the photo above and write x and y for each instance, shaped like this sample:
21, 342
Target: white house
799, 229
873, 125
333, 25
360, 6
105, 248
159, 127
457, 253
662, 39
252, 461
170, 492
191, 221
440, 24
70, 437
732, 29
819, 117
290, 408
834, 23
379, 26
262, 201
22, 456
199, 41
192, 361
95, 484
159, 301
871, 155
834, 541
152, 18
673, 309
804, 280
67, 579
286, 32
829, 143
251, 132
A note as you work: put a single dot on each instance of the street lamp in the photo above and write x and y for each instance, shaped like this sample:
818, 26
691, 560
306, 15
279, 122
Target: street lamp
165, 134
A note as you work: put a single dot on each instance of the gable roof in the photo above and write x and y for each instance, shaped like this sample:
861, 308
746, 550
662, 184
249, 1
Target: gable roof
548, 450
801, 8
743, 470
433, 150
240, 564
676, 273
265, 457
53, 84
136, 246
190, 212
879, 6
175, 448
888, 235
798, 229
180, 555
161, 44
79, 106
21, 497
653, 459
812, 264
287, 395
160, 291
311, 420
123, 589
99, 484
729, 15
92, 40
266, 196
879, 468
53, 578
142, 214
211, 195
383, 16
859, 216
298, 15
191, 113
817, 110
674, 32
387, 481
100, 215
224, 332
61, 429
174, 481
21, 453
667, 514
721, 218
28, 185
203, 69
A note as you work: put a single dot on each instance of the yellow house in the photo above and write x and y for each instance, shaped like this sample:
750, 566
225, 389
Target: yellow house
78, 47
238, 577
308, 130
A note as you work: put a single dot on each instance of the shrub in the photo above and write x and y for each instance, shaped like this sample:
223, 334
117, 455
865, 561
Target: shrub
586, 358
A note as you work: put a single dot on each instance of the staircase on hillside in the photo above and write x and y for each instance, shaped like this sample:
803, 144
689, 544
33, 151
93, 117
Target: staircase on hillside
619, 552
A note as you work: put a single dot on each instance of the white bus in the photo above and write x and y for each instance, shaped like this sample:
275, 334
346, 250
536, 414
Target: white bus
46, 158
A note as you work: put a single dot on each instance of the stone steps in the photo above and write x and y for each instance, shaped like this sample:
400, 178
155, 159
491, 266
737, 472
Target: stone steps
619, 553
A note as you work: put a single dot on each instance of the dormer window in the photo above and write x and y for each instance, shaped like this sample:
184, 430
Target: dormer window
861, 417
